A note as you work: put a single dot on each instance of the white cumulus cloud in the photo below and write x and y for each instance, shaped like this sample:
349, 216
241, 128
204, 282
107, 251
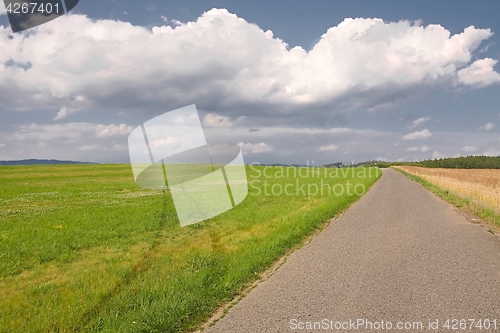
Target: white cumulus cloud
492, 152
423, 149
221, 62
479, 74
163, 143
420, 121
436, 154
255, 148
423, 134
488, 126
328, 148
469, 149
113, 129
65, 112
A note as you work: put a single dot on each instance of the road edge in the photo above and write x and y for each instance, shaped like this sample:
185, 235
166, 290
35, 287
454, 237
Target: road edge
479, 215
223, 310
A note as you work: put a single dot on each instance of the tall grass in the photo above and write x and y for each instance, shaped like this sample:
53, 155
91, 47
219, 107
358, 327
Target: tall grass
83, 249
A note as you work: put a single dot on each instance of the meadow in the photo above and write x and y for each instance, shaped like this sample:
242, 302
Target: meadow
477, 190
84, 249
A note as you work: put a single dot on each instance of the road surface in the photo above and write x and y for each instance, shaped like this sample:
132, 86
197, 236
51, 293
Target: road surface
400, 256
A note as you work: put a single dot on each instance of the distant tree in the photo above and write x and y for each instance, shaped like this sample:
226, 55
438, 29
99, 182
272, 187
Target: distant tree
467, 162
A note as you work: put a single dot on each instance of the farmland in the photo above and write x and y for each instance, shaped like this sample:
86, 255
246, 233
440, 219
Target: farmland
83, 248
477, 190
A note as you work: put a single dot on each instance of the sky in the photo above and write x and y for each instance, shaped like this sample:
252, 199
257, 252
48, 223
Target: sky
305, 82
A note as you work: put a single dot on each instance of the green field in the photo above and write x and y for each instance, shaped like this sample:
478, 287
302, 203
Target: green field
84, 249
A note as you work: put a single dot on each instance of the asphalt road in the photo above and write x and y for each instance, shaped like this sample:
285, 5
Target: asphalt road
399, 255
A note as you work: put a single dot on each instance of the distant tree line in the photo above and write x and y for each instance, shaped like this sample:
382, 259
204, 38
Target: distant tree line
333, 165
467, 162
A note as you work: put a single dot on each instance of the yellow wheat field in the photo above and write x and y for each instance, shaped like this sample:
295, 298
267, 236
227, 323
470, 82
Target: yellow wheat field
482, 186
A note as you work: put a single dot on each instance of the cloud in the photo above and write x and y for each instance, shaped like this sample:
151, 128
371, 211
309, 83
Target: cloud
423, 149
436, 154
268, 145
112, 129
299, 145
488, 126
469, 149
67, 141
3, 11
90, 147
420, 121
68, 131
212, 120
65, 112
255, 148
2, 145
288, 144
328, 148
163, 143
222, 62
424, 134
480, 74
492, 152
170, 22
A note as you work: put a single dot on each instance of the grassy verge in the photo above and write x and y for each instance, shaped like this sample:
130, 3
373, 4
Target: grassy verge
83, 249
459, 201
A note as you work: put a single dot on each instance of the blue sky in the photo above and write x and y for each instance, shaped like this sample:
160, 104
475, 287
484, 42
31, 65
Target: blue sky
290, 81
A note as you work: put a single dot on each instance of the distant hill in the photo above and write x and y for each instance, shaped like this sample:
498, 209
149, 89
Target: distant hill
36, 162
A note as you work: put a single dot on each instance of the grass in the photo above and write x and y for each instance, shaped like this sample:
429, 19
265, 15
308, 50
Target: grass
473, 190
83, 249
